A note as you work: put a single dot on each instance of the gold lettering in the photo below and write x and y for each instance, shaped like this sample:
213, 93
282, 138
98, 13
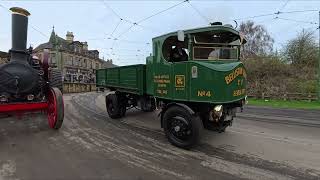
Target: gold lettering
233, 75
202, 93
239, 92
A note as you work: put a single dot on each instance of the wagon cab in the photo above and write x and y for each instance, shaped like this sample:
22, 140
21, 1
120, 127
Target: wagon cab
212, 71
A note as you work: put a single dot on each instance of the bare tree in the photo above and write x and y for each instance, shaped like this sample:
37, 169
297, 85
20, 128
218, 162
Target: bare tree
302, 51
259, 42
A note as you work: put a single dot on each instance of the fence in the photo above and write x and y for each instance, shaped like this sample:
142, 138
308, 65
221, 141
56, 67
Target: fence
78, 87
286, 96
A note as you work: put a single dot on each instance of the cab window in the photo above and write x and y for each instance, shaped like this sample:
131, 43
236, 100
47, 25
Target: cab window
174, 50
214, 53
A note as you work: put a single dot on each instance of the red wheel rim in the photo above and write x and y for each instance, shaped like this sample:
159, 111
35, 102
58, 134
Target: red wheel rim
52, 108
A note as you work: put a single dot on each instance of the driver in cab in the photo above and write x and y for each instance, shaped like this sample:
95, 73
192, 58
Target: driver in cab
178, 54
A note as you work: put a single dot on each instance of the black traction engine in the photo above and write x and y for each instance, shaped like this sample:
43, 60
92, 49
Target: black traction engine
26, 82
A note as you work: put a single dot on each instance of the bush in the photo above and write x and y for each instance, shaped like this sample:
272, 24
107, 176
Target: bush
275, 77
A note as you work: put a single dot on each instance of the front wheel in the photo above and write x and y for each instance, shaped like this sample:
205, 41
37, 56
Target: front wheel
55, 108
181, 128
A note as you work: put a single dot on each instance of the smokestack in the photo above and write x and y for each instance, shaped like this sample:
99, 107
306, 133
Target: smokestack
19, 33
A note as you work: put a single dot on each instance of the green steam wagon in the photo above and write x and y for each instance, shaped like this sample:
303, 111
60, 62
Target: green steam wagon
194, 76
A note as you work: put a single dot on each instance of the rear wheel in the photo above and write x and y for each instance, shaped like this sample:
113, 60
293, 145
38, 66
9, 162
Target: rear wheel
181, 128
55, 79
116, 107
55, 108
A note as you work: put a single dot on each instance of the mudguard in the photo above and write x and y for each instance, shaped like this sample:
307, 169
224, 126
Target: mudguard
174, 104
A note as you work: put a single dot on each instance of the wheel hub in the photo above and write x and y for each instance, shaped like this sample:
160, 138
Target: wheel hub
180, 128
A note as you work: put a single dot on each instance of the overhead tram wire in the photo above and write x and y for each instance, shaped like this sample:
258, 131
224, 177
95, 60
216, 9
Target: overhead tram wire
276, 13
198, 12
148, 17
37, 30
125, 31
124, 19
257, 16
282, 7
116, 27
121, 19
299, 11
298, 21
114, 12
33, 27
162, 11
137, 23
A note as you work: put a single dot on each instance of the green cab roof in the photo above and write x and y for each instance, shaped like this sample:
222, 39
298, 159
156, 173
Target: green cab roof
216, 28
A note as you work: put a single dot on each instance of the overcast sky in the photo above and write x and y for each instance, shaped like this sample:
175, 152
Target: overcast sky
94, 21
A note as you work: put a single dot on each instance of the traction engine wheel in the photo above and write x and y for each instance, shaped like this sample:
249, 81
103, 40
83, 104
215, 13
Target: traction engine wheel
182, 128
55, 108
55, 79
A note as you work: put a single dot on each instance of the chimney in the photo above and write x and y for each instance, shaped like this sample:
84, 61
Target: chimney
85, 46
69, 37
19, 34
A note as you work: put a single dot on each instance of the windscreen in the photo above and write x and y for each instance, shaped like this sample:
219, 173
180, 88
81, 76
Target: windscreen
215, 53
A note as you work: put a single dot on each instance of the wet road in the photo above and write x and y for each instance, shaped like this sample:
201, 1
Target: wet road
263, 143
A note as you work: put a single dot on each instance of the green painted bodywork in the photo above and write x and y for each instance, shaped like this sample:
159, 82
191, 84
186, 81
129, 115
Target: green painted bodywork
130, 79
191, 81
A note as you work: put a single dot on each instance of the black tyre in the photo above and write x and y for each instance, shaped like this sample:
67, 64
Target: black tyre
55, 79
181, 128
60, 109
115, 107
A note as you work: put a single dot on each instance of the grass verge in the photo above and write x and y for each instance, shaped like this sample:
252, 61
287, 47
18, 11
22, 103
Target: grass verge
284, 104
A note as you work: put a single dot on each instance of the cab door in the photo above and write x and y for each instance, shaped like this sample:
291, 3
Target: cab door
180, 83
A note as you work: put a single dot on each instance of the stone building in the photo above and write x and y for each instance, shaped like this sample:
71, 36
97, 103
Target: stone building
3, 57
77, 63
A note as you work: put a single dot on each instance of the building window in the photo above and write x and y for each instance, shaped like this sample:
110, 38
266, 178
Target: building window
71, 60
53, 58
75, 61
89, 65
65, 59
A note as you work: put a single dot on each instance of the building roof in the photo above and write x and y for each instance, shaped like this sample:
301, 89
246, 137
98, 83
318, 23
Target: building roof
56, 42
107, 64
46, 45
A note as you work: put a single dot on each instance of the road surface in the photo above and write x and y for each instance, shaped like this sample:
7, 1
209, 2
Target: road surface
263, 143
